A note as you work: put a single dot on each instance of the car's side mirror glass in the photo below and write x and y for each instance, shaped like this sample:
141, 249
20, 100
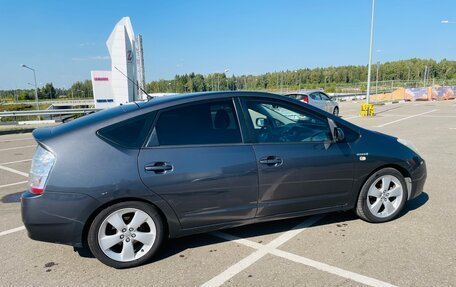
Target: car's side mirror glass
338, 134
261, 122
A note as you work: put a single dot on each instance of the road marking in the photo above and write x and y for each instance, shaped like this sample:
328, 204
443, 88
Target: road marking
352, 117
6, 232
17, 161
19, 147
13, 184
406, 118
269, 249
14, 171
261, 252
14, 140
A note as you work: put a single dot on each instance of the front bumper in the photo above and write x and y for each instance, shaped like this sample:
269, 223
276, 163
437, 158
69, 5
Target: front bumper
57, 217
418, 176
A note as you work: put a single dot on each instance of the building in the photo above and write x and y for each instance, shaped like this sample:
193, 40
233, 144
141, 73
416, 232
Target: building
120, 85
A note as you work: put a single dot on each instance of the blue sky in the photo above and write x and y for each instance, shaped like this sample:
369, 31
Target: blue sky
64, 40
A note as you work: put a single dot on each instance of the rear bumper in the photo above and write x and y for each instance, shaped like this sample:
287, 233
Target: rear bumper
57, 217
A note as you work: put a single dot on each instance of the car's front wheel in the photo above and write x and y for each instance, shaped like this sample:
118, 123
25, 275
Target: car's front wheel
336, 111
126, 234
382, 196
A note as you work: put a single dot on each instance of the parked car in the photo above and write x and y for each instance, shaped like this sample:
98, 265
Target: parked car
318, 99
122, 180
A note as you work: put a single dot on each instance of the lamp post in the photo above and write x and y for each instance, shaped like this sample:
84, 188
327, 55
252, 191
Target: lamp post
36, 87
370, 53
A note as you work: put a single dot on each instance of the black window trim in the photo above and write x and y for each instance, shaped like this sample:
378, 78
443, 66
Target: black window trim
157, 116
284, 103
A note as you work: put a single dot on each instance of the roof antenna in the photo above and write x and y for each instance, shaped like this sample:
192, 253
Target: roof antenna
149, 97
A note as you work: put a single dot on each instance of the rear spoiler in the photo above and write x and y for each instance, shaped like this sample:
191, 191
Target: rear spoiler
41, 134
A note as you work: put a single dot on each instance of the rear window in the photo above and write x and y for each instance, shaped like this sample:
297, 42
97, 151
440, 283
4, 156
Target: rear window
130, 133
213, 122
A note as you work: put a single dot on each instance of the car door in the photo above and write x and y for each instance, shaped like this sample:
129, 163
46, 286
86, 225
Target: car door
300, 166
196, 161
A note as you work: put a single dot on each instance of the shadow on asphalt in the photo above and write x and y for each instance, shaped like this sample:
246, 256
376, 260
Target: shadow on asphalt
178, 246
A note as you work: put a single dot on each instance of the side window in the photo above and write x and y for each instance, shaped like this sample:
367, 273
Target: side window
212, 122
324, 97
272, 122
315, 96
130, 133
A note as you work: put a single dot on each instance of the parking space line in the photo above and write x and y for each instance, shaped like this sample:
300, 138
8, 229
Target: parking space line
261, 252
18, 147
14, 171
6, 232
13, 162
14, 140
406, 118
269, 249
13, 184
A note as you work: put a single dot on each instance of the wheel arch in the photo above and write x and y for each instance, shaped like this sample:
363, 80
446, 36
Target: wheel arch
405, 173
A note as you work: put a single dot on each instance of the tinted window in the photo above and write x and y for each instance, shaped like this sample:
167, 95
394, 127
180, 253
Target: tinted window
205, 123
324, 97
272, 122
130, 133
315, 96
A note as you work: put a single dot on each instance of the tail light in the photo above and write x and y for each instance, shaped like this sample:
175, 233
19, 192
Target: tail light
305, 99
42, 163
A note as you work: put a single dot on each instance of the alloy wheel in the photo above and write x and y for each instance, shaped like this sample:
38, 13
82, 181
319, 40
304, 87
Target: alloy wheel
127, 234
384, 196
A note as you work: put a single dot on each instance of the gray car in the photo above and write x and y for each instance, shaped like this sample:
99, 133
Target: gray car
123, 180
318, 99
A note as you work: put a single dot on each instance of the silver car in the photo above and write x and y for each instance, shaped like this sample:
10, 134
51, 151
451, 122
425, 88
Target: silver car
318, 99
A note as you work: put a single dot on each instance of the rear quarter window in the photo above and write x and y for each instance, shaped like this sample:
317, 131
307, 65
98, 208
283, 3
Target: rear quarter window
129, 133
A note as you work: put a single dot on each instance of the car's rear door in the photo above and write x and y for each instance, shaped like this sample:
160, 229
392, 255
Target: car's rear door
300, 167
196, 160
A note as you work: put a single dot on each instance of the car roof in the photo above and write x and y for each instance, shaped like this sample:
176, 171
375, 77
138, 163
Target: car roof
304, 92
204, 96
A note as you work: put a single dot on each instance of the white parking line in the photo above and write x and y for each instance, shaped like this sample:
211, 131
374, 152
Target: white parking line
6, 232
406, 118
267, 249
13, 184
14, 140
14, 171
257, 255
13, 162
19, 147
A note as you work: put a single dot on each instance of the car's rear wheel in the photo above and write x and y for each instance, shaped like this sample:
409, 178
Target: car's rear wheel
126, 234
382, 196
336, 111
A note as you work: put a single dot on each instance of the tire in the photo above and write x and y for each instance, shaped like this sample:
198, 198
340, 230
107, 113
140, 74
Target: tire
336, 111
382, 196
135, 240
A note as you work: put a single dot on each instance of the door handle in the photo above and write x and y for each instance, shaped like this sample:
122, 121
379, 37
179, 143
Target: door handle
159, 167
271, 161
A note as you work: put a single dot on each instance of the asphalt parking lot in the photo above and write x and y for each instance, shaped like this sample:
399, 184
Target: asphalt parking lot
336, 249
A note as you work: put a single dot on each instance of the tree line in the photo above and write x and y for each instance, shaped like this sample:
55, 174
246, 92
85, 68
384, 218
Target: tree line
329, 78
80, 89
332, 79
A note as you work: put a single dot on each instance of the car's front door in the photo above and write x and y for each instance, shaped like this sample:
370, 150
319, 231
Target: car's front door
326, 101
300, 166
196, 161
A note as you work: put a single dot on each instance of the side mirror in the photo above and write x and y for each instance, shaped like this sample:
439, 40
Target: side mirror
261, 122
338, 134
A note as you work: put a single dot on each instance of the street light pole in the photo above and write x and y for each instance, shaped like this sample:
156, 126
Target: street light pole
370, 53
36, 87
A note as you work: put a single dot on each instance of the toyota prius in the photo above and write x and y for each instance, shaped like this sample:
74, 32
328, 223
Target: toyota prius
123, 180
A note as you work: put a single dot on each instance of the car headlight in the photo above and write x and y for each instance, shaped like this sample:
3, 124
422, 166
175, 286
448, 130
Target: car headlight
409, 145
